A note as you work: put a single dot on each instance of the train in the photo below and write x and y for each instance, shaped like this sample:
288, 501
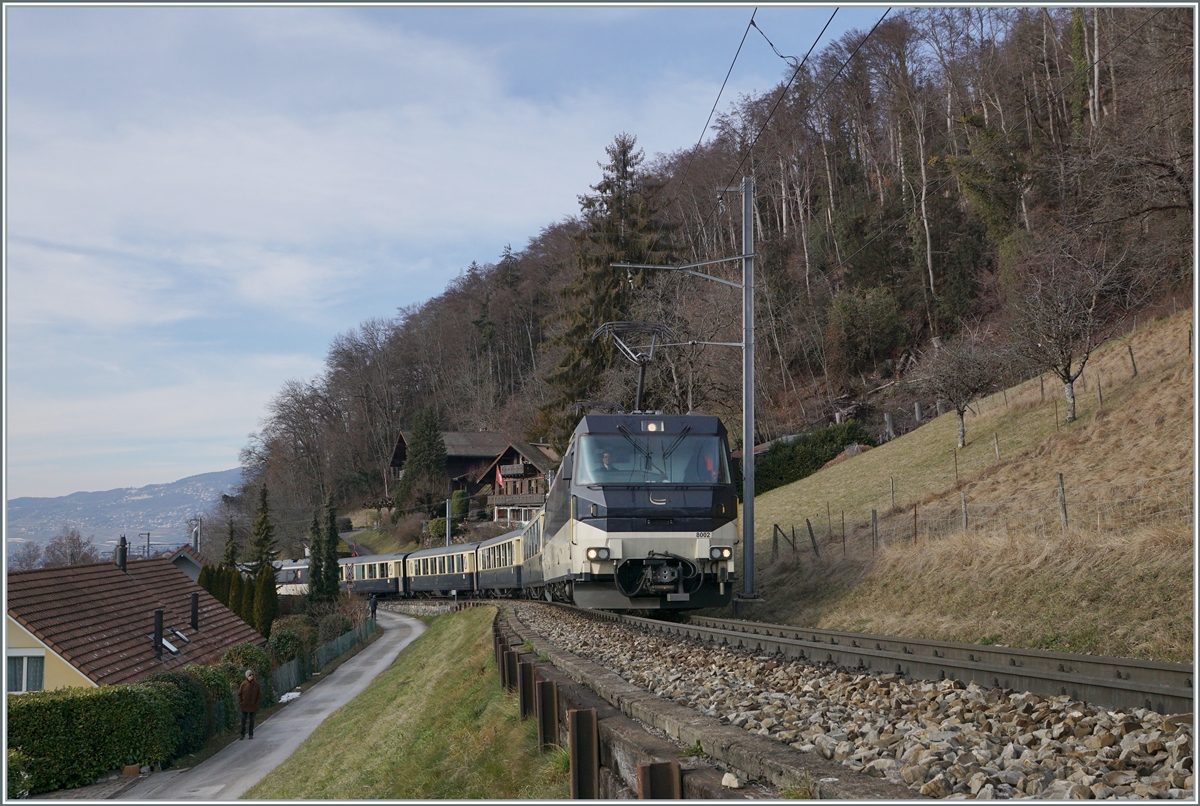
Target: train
641, 515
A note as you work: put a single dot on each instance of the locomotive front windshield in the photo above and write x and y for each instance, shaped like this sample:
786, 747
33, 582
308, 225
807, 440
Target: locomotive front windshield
651, 459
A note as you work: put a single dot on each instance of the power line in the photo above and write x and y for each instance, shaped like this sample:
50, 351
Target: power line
783, 93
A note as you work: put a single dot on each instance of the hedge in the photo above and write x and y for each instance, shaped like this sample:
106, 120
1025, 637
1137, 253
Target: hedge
71, 736
189, 708
217, 689
252, 656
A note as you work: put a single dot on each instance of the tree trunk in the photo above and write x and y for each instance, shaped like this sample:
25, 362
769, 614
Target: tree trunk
1069, 388
962, 429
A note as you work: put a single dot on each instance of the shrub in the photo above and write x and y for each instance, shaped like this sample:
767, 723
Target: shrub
785, 462
303, 626
249, 656
72, 735
222, 705
18, 774
188, 707
333, 626
344, 524
284, 646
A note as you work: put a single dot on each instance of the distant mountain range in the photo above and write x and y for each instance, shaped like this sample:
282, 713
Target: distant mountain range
163, 510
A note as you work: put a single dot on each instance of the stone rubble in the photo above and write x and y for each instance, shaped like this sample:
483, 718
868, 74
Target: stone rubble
943, 739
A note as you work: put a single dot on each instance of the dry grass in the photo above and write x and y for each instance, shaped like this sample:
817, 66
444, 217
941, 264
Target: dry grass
1107, 593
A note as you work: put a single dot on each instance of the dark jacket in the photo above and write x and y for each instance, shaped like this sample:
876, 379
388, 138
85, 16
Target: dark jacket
249, 695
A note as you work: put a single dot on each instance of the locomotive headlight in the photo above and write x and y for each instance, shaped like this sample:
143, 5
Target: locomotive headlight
720, 553
594, 554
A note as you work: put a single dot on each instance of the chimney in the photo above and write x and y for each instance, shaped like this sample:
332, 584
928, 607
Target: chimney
158, 634
196, 611
122, 553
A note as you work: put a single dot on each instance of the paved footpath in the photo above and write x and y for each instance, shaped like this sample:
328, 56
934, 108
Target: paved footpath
242, 764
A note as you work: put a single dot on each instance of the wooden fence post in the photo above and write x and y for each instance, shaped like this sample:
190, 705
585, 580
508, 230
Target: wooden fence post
962, 497
996, 442
843, 533
812, 538
1131, 361
874, 530
1062, 502
892, 487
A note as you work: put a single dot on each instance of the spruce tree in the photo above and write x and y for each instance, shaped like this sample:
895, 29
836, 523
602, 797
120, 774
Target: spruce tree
266, 602
262, 539
622, 225
424, 480
316, 560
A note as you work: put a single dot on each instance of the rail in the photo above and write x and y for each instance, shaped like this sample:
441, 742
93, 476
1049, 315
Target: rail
1109, 682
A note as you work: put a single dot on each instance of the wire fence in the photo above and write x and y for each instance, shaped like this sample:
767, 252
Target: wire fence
1097, 509
295, 672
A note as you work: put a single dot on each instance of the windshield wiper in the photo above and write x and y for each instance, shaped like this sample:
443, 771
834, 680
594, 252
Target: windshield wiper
637, 446
667, 453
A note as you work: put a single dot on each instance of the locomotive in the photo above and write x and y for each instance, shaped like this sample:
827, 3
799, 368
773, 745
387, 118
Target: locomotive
642, 515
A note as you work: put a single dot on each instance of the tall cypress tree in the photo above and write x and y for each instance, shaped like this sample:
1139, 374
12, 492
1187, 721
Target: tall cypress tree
329, 568
231, 548
266, 601
262, 540
205, 578
316, 560
622, 225
235, 592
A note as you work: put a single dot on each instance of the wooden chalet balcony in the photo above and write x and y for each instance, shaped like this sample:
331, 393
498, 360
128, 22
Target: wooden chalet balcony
528, 499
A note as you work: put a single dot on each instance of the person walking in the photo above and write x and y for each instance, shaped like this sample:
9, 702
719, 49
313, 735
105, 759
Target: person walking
374, 604
249, 696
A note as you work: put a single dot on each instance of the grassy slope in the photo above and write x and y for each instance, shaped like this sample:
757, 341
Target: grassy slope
435, 724
1126, 594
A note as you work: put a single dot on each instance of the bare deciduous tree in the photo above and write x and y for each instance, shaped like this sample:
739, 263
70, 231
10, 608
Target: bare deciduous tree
27, 557
69, 547
960, 373
1070, 301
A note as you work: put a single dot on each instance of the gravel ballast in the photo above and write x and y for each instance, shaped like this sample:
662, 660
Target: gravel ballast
942, 739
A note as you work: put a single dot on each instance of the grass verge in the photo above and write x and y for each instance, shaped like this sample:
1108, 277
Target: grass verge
434, 725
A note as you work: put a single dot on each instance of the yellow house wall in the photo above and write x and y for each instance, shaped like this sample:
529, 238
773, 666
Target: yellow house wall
59, 673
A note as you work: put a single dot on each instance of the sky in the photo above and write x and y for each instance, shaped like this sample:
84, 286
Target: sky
199, 199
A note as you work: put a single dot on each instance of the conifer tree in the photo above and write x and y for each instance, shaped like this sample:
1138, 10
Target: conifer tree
329, 568
622, 225
316, 560
424, 480
205, 578
262, 541
246, 608
266, 601
231, 548
235, 593
220, 584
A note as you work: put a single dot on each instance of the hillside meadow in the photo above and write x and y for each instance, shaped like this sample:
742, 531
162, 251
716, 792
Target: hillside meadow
1118, 581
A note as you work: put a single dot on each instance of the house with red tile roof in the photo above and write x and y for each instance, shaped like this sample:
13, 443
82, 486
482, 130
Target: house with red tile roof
96, 624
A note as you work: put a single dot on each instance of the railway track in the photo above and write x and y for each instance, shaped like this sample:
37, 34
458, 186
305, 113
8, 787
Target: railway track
1123, 683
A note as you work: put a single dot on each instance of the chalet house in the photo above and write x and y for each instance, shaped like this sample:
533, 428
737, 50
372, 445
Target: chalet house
473, 462
467, 454
520, 479
98, 624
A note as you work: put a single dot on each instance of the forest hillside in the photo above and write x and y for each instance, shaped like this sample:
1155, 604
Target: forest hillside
964, 197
